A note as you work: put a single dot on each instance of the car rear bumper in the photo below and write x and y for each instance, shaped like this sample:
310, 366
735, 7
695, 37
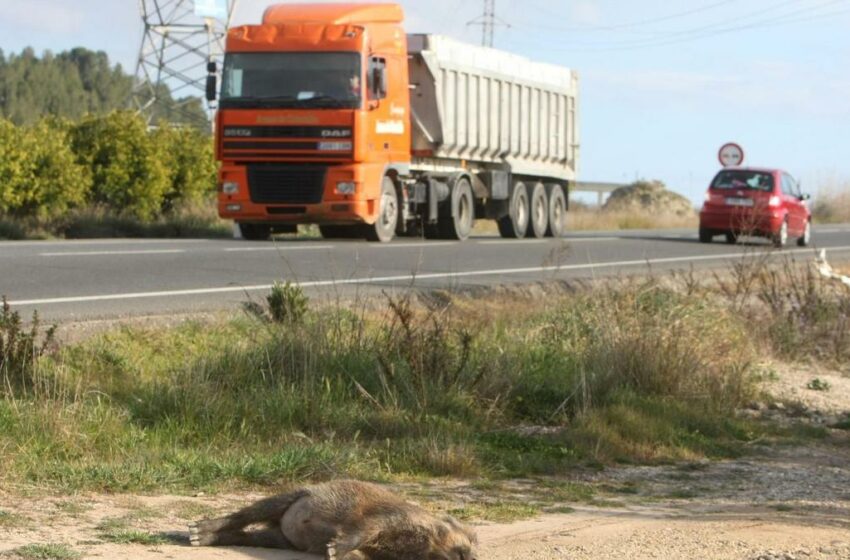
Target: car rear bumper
741, 221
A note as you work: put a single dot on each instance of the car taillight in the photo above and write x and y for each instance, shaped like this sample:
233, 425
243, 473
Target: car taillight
774, 201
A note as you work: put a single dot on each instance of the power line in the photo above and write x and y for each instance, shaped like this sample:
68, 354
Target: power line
718, 28
633, 24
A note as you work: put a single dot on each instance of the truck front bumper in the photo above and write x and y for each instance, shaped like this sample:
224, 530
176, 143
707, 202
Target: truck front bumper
326, 204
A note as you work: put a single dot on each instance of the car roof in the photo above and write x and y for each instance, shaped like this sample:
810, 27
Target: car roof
755, 169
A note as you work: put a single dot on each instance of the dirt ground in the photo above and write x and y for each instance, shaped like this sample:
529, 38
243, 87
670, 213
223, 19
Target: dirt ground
778, 503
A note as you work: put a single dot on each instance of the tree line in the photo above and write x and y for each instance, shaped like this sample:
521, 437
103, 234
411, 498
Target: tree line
76, 83
67, 141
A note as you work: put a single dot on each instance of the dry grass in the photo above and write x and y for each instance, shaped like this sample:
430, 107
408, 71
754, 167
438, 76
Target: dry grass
589, 219
832, 205
606, 220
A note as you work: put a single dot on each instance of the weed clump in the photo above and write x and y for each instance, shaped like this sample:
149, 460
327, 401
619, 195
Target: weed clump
286, 303
20, 348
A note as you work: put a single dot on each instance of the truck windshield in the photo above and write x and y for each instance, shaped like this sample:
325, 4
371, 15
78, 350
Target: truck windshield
291, 80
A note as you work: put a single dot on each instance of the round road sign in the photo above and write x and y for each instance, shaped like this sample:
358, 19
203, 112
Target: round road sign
731, 155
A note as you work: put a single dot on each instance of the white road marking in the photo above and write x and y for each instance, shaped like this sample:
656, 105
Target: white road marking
424, 276
512, 241
113, 253
571, 239
276, 248
830, 230
414, 245
100, 242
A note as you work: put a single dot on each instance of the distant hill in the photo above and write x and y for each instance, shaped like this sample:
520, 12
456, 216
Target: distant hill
72, 84
649, 196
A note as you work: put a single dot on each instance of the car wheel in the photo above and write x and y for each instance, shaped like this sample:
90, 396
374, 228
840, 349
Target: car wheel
807, 235
557, 212
515, 224
731, 237
780, 238
384, 227
255, 232
705, 235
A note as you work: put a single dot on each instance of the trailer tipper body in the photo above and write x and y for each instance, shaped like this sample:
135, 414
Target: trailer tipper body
330, 114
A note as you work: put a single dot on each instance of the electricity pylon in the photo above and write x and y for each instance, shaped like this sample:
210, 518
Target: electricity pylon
488, 22
180, 38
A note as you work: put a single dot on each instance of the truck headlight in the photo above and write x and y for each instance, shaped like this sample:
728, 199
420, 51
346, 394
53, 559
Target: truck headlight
230, 187
335, 146
346, 187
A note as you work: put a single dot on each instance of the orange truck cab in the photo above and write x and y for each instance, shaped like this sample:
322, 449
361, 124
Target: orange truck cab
315, 126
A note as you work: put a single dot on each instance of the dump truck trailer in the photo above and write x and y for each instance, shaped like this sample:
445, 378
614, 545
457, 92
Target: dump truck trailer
330, 114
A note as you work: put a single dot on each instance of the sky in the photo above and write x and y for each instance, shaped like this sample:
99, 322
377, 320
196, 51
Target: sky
662, 84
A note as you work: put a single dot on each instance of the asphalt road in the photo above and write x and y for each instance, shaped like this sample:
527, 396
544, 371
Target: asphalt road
74, 280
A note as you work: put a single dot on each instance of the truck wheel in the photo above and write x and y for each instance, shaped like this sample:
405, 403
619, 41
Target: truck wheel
384, 228
255, 232
557, 212
515, 224
340, 232
459, 225
538, 220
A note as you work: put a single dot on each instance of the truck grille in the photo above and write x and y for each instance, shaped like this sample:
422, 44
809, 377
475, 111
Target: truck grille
286, 184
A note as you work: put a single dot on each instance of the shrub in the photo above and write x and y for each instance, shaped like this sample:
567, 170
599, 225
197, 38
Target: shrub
287, 303
190, 160
57, 182
128, 171
15, 167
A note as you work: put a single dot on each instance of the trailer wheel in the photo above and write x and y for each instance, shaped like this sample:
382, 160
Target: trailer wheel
384, 228
538, 220
515, 224
254, 232
557, 212
459, 225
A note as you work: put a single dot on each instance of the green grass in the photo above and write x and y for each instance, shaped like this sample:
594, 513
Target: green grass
117, 530
45, 552
634, 373
497, 512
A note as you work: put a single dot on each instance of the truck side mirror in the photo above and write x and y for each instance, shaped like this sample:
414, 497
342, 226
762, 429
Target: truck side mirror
212, 87
212, 82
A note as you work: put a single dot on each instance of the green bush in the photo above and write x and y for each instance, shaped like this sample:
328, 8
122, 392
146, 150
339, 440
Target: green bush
129, 171
190, 160
15, 167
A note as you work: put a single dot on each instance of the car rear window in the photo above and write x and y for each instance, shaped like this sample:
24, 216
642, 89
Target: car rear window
740, 179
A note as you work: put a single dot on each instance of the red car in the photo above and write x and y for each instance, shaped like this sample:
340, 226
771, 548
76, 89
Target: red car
762, 202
